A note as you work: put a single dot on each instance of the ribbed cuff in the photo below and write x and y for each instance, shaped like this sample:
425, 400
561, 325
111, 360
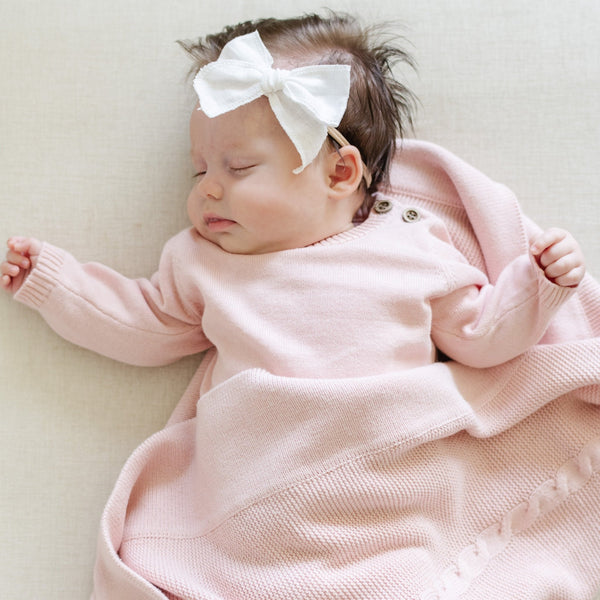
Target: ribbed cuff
42, 279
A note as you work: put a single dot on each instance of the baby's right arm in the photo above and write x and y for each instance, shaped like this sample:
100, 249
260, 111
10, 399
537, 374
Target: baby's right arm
21, 257
146, 322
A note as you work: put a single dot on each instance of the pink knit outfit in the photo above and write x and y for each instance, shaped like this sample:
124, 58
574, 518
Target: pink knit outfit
320, 452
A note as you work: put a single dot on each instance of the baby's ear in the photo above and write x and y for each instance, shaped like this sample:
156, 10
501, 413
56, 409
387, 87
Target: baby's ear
345, 171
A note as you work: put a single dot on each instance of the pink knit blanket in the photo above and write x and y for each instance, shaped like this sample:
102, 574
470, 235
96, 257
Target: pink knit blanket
440, 482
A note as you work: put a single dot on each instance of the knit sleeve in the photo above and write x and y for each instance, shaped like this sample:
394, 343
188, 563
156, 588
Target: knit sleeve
483, 324
146, 322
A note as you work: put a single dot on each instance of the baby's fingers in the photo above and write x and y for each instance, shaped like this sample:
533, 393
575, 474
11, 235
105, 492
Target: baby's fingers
22, 255
9, 275
25, 245
560, 257
563, 249
547, 240
15, 258
566, 272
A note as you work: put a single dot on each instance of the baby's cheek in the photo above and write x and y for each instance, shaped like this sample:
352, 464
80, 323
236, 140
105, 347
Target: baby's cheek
193, 211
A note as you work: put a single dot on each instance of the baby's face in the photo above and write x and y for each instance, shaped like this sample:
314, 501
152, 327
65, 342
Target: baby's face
246, 198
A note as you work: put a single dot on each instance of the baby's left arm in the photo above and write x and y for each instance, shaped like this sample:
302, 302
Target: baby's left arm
482, 325
559, 256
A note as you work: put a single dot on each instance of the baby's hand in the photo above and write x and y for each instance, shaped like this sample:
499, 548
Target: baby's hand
21, 257
560, 257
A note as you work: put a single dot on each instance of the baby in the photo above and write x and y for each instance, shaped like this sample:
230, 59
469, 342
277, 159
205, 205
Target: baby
281, 227
296, 264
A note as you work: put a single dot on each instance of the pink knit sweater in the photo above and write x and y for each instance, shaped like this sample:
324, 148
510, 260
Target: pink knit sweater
320, 452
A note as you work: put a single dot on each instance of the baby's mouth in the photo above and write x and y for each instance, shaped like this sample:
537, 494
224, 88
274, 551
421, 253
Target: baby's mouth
215, 223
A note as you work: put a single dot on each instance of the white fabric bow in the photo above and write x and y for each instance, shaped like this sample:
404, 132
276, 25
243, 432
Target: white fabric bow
305, 100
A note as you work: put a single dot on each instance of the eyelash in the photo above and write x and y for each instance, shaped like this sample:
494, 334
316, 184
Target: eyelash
235, 170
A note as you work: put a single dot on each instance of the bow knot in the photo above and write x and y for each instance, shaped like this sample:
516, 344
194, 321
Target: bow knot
273, 80
305, 101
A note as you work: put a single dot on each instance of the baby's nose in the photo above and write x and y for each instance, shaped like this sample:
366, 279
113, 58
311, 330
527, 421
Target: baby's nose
209, 187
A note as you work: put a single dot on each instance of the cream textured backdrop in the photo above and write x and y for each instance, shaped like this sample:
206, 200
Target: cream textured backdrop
94, 108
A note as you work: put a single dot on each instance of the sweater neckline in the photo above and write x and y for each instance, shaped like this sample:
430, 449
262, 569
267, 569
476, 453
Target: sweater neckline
371, 222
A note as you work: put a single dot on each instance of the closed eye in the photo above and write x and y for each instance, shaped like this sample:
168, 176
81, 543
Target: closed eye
236, 170
242, 169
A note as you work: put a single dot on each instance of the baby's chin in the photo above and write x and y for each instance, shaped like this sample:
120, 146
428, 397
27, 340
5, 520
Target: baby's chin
228, 242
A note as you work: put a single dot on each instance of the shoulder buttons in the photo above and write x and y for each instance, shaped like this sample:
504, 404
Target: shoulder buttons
382, 206
411, 215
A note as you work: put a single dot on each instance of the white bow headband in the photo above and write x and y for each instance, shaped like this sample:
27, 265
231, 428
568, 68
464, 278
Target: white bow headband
309, 102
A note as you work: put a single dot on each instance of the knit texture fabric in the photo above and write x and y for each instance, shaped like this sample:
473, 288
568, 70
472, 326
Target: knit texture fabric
436, 480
